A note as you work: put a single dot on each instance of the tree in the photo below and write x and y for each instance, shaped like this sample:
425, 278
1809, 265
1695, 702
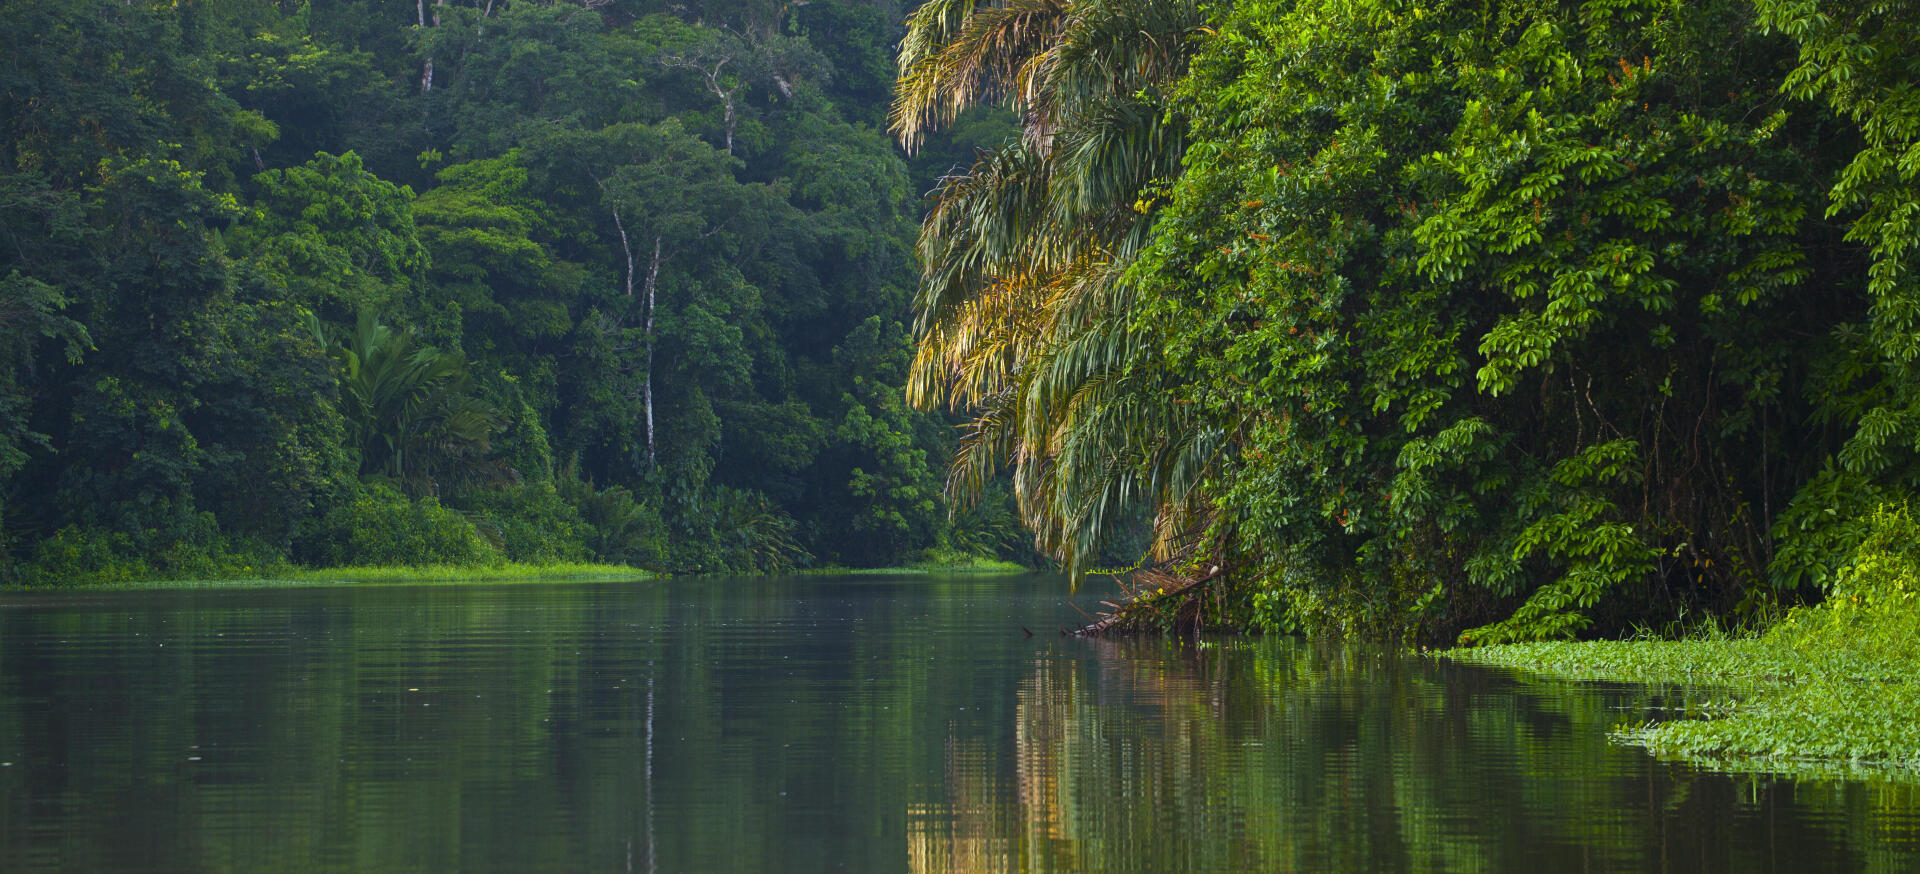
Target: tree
1859, 59
1508, 314
410, 411
1024, 311
340, 239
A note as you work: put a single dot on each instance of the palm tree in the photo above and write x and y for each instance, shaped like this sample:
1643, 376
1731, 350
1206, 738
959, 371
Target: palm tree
410, 411
1025, 316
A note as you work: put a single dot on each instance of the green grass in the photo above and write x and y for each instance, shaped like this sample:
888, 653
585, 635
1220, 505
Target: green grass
931, 563
510, 572
556, 572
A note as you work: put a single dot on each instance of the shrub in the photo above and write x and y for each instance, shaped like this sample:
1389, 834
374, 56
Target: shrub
1872, 610
530, 522
166, 545
381, 526
77, 555
620, 528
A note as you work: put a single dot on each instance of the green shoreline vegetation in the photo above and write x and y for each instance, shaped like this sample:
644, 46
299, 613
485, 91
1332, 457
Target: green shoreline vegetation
269, 574
1831, 686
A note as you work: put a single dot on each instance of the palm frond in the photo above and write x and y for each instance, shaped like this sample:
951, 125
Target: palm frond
1024, 314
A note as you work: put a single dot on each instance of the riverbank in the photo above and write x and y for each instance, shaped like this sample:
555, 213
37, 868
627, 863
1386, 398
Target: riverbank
1832, 686
938, 564
510, 572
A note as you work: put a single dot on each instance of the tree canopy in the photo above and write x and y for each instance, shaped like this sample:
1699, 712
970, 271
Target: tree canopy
617, 280
1452, 320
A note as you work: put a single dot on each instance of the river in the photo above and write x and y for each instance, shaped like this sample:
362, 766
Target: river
810, 724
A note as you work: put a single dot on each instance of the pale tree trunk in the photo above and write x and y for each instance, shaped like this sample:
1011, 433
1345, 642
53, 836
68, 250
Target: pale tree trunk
652, 283
713, 84
420, 10
426, 70
646, 390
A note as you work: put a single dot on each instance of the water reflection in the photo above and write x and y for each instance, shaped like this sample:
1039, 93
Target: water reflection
1282, 756
827, 724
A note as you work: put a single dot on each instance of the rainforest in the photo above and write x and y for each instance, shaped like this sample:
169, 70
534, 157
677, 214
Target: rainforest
1449, 322
1443, 322
959, 435
309, 285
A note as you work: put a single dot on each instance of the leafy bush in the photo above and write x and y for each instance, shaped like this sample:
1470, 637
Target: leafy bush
75, 555
530, 522
735, 531
172, 546
381, 526
989, 526
1872, 610
619, 528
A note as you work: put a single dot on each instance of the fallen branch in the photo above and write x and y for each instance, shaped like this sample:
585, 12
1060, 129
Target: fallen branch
1170, 586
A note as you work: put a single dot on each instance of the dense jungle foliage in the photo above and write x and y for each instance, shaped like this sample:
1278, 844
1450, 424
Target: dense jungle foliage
459, 282
1460, 321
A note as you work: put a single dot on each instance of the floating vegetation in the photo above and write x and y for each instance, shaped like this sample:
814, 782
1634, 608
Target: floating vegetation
1832, 686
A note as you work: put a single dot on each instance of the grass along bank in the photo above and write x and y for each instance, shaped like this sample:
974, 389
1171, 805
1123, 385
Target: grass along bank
511, 572
287, 576
934, 564
284, 575
1829, 687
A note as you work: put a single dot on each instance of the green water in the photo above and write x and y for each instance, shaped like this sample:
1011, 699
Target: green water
826, 724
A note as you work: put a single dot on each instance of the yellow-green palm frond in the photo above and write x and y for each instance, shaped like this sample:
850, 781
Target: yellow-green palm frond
1120, 47
972, 354
988, 223
957, 54
1024, 314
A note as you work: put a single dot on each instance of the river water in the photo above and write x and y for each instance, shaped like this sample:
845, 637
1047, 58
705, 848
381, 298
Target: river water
828, 724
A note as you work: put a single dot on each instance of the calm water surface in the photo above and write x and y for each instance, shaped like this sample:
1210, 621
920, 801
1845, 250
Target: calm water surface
824, 724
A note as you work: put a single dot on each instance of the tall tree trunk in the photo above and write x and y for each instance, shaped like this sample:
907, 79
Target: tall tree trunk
653, 275
653, 281
426, 70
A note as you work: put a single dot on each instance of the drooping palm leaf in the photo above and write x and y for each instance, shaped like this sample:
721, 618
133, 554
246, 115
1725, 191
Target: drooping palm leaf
1024, 316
